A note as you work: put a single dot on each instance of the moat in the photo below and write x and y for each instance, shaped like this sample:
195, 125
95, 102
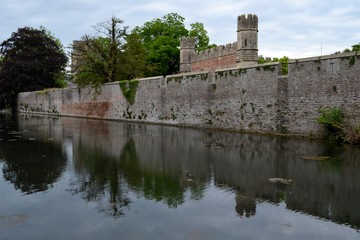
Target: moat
72, 178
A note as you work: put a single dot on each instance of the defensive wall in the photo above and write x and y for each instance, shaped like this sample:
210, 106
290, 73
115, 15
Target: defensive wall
253, 99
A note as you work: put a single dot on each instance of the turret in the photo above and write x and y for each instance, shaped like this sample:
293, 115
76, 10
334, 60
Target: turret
247, 40
187, 51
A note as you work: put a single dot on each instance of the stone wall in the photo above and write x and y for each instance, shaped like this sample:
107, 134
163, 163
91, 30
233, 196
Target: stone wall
254, 99
316, 82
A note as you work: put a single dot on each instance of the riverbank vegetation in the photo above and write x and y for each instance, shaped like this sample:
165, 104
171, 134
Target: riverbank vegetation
337, 128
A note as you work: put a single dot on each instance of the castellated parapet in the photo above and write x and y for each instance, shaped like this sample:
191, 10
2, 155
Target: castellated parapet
261, 98
248, 22
242, 53
216, 52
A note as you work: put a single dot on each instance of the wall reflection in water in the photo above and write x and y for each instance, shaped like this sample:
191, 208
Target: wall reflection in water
113, 161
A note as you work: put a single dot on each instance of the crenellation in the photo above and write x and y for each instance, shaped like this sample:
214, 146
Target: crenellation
251, 97
215, 52
187, 42
247, 22
242, 53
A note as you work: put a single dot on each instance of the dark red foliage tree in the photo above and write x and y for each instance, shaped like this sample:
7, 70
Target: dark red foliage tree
31, 60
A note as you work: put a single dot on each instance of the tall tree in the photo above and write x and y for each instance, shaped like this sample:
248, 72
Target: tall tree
96, 59
161, 38
134, 61
31, 60
197, 31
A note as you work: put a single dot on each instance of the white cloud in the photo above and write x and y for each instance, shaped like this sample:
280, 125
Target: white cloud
287, 27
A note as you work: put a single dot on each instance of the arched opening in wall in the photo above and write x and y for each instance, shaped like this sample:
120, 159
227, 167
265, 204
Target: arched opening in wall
245, 42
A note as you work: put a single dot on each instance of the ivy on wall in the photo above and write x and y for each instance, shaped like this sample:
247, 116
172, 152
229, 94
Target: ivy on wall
128, 88
284, 61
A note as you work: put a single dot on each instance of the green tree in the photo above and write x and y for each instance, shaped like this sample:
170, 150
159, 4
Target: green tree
161, 38
356, 47
202, 39
97, 59
134, 61
31, 61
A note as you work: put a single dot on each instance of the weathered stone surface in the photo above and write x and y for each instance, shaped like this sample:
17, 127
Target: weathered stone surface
255, 99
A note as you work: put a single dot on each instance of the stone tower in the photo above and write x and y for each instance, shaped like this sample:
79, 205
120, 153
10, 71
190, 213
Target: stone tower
247, 40
77, 58
187, 51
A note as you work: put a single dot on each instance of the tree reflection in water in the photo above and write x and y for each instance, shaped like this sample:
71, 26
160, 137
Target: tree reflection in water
171, 165
99, 180
107, 181
34, 168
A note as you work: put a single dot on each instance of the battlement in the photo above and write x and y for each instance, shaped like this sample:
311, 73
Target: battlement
242, 53
247, 22
219, 51
187, 43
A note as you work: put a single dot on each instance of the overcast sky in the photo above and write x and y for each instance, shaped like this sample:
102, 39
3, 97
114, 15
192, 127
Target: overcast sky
294, 28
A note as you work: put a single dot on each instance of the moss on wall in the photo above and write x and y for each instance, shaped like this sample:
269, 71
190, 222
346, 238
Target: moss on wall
129, 89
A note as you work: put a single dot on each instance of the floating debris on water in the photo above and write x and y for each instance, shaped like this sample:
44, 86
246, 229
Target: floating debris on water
215, 145
13, 133
315, 158
282, 181
32, 139
14, 219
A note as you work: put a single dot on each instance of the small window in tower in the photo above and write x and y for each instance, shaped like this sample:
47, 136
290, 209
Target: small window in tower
245, 42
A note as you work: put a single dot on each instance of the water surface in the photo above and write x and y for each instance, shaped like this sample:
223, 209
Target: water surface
68, 178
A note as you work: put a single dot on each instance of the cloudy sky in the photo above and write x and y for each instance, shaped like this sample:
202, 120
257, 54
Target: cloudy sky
294, 28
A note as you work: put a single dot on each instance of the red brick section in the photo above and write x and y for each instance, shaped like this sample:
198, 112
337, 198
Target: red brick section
89, 109
213, 64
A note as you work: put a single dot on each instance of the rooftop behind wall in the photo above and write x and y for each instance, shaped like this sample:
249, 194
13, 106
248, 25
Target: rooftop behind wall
215, 52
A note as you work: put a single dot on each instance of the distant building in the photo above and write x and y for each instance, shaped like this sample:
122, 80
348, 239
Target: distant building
242, 53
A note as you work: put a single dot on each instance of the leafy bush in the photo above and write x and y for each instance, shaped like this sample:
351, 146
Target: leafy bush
337, 128
332, 119
284, 65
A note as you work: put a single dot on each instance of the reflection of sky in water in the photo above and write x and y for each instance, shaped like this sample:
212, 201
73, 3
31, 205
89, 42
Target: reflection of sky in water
61, 213
68, 150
